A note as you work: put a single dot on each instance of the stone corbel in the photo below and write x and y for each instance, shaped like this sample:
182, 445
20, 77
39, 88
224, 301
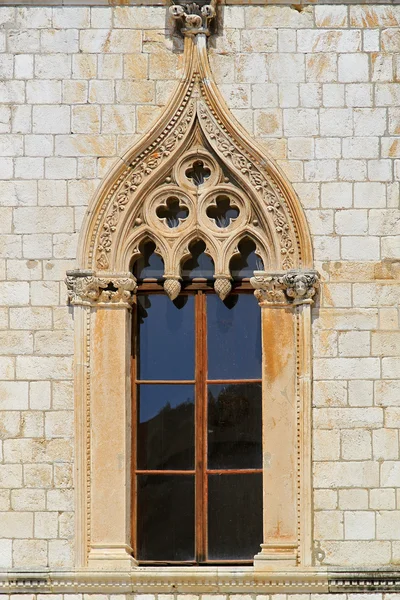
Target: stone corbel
290, 287
194, 17
86, 288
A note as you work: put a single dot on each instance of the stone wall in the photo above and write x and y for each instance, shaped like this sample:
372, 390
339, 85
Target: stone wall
318, 87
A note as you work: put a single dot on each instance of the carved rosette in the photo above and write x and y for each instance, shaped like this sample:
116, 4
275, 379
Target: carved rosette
290, 287
89, 289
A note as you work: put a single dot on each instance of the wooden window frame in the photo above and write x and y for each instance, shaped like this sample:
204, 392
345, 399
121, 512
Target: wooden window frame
199, 289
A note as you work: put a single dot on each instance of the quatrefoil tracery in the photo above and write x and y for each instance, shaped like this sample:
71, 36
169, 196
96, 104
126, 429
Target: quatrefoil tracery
173, 212
222, 212
198, 173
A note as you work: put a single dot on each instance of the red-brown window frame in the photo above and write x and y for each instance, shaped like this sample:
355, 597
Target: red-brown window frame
199, 289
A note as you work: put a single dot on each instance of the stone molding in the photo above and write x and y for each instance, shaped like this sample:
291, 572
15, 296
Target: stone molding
109, 3
290, 287
86, 288
191, 580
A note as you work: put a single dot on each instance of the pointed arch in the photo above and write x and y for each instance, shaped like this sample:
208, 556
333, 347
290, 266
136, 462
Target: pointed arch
197, 105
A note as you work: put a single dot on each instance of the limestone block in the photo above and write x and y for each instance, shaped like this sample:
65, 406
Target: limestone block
369, 121
309, 40
328, 525
387, 94
374, 16
43, 219
74, 92
6, 66
354, 343
101, 91
326, 445
100, 17
60, 40
356, 499
359, 94
61, 553
321, 67
277, 16
34, 17
118, 119
310, 95
385, 444
142, 17
14, 293
390, 474
360, 248
43, 367
259, 40
331, 16
46, 525
371, 40
23, 40
38, 474
361, 393
385, 343
110, 66
351, 222
388, 525
71, 17
361, 147
326, 248
320, 170
352, 170
51, 119
16, 524
5, 554
357, 553
30, 553
23, 66
382, 67
330, 393
348, 418
391, 247
346, 368
114, 41
381, 499
252, 68
359, 525
325, 499
53, 66
380, 170
66, 525
333, 94
388, 318
21, 119
346, 474
268, 122
356, 444
60, 500
60, 168
29, 168
28, 499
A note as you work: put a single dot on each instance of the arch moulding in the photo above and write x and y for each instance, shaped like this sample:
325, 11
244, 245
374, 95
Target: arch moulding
196, 134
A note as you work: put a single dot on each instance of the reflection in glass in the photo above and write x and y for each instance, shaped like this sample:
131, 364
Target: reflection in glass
234, 426
199, 264
165, 427
244, 264
234, 516
148, 265
233, 337
165, 337
165, 517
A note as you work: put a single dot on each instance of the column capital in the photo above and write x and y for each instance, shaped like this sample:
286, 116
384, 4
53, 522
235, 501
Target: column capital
292, 287
193, 16
88, 288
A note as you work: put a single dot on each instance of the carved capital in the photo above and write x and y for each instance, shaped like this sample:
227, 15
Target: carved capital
289, 287
89, 289
194, 17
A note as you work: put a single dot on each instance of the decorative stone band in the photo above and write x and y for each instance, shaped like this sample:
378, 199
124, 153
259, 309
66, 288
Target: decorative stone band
88, 289
194, 17
288, 287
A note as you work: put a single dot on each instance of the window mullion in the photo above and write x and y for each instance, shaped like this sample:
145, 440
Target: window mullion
201, 426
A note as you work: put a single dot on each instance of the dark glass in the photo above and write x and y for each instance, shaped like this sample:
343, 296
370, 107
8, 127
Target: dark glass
244, 264
165, 337
166, 518
165, 433
173, 212
199, 264
234, 426
233, 337
222, 213
148, 265
234, 516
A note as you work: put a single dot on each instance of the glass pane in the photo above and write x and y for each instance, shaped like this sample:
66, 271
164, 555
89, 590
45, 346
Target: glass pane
234, 516
148, 265
165, 427
165, 337
244, 265
234, 426
199, 264
165, 519
234, 337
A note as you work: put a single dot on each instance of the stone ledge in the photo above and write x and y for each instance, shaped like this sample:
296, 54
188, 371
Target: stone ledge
203, 580
295, 3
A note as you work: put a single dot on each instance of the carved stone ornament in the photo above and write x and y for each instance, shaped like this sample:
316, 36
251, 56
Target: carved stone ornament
193, 16
292, 287
195, 176
87, 288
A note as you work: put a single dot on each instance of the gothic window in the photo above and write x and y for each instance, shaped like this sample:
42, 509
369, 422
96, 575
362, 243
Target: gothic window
197, 406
